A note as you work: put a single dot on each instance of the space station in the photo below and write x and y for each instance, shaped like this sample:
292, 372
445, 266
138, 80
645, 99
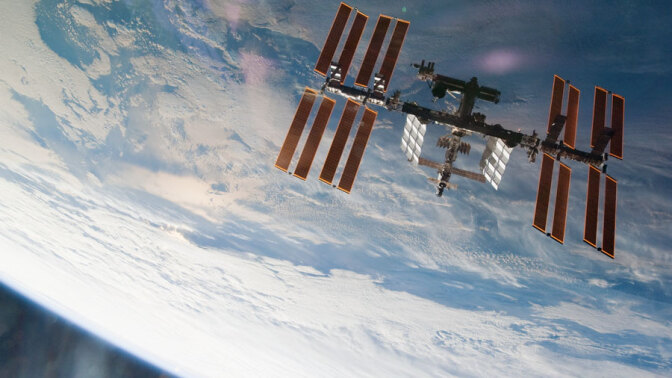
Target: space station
370, 93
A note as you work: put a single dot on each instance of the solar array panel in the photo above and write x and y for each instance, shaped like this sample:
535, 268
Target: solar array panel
617, 115
556, 100
561, 199
592, 203
296, 129
468, 174
600, 136
429, 163
314, 137
393, 50
599, 114
543, 193
339, 141
572, 117
371, 55
333, 38
351, 43
609, 226
357, 151
322, 66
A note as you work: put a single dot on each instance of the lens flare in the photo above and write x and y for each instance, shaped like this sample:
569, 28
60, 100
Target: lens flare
501, 61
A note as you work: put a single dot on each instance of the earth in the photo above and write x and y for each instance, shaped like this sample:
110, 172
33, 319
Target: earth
140, 202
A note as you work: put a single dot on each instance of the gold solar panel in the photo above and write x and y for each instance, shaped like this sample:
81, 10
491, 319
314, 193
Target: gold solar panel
314, 137
351, 43
295, 129
543, 193
375, 44
339, 141
617, 115
468, 174
429, 163
572, 117
333, 38
561, 200
599, 114
609, 226
357, 151
556, 100
393, 50
592, 203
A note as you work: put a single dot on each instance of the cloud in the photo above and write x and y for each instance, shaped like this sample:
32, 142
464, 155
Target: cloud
141, 282
599, 282
618, 318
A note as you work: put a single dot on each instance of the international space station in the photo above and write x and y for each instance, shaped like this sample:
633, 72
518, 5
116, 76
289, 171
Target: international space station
370, 90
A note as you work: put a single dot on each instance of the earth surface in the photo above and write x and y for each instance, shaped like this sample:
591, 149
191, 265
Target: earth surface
139, 198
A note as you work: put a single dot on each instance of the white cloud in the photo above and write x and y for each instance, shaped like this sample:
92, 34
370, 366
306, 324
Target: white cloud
201, 312
599, 282
618, 318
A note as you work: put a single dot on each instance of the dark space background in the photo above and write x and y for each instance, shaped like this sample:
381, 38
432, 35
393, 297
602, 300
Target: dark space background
37, 343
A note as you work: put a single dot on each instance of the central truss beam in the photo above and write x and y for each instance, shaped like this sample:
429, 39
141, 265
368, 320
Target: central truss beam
474, 122
510, 138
